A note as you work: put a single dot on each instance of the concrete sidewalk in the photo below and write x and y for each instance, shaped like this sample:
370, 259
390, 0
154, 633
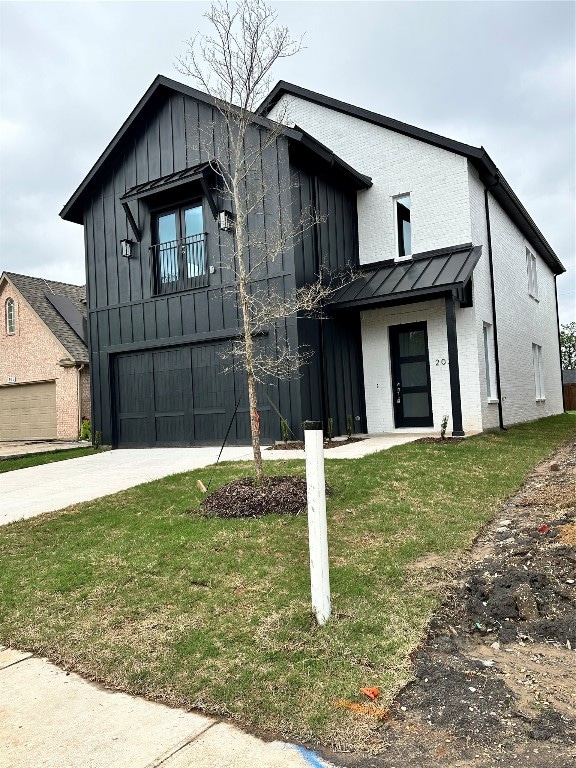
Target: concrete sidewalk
33, 491
53, 719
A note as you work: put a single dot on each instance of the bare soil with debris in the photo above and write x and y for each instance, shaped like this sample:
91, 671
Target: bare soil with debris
495, 678
281, 495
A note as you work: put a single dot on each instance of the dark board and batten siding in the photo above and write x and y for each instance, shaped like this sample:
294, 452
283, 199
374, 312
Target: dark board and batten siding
332, 384
124, 313
167, 349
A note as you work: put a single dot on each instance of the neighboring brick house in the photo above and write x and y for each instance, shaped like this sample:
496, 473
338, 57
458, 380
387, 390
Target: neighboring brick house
453, 314
44, 375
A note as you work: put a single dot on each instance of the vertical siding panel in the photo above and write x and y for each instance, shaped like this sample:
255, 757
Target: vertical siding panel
162, 327
178, 132
165, 138
126, 334
110, 244
114, 326
149, 321
153, 138
188, 314
90, 257
100, 253
175, 315
124, 178
138, 322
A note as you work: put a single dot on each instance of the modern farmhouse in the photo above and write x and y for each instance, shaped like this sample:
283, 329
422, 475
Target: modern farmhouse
451, 310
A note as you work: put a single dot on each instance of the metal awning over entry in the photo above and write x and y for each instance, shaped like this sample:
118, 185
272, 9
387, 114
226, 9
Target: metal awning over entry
426, 275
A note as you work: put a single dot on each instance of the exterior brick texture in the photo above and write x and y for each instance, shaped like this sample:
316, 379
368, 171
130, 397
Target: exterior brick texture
31, 354
447, 201
521, 319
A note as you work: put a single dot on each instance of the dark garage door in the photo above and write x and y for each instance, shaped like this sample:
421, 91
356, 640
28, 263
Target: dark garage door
181, 396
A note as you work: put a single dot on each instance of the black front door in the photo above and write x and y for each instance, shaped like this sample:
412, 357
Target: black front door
411, 375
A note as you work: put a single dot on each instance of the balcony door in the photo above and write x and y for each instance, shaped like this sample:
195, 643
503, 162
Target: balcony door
179, 248
411, 389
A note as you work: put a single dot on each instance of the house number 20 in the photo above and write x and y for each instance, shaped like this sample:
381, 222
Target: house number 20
441, 362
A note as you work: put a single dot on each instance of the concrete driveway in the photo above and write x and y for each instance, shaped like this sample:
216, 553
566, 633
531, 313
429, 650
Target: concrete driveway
32, 491
29, 492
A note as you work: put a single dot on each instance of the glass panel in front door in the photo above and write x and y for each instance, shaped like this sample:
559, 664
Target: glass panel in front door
193, 232
167, 248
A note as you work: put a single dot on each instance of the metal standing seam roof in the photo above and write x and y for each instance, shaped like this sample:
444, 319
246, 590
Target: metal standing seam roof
165, 182
35, 291
427, 274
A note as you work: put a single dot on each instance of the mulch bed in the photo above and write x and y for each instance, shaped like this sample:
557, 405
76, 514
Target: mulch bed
445, 440
298, 445
494, 677
280, 495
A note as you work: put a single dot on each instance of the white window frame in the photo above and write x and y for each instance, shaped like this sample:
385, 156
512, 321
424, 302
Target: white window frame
532, 271
538, 373
395, 199
489, 372
10, 316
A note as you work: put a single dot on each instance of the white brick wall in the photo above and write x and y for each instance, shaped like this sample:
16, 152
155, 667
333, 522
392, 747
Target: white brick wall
378, 375
436, 179
447, 200
521, 320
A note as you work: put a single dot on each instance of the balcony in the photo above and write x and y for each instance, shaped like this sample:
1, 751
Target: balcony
179, 265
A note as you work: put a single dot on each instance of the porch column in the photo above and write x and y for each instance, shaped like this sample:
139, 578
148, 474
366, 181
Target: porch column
457, 430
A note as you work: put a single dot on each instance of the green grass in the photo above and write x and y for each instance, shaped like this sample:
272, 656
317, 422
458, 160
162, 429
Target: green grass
135, 592
35, 459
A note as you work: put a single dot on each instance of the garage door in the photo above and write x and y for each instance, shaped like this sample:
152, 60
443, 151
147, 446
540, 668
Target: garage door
181, 396
28, 411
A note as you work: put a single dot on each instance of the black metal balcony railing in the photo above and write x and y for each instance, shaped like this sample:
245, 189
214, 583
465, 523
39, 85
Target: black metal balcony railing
179, 265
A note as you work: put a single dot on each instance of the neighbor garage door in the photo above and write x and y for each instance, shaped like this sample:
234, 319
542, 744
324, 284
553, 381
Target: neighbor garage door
28, 411
181, 396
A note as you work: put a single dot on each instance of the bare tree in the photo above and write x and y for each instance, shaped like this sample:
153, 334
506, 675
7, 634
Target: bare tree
233, 66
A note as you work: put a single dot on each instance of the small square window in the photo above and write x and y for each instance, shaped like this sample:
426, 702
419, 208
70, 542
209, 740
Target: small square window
532, 274
403, 225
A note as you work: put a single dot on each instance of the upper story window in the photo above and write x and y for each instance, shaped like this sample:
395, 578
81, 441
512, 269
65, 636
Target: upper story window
10, 316
403, 226
532, 274
180, 249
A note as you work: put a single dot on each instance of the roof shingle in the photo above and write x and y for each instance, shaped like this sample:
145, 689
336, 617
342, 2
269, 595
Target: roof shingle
34, 290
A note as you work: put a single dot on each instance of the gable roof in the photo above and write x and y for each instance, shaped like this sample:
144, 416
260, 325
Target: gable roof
489, 173
73, 210
36, 291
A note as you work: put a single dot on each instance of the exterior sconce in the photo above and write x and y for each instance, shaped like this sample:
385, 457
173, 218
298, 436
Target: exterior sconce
126, 248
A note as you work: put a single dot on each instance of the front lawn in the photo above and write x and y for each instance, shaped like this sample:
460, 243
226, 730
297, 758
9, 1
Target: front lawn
46, 457
133, 591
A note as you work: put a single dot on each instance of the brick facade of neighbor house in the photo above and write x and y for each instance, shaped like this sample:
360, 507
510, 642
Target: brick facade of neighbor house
31, 355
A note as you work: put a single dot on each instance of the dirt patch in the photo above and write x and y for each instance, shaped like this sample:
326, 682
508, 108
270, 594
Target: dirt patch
280, 495
298, 445
493, 680
444, 440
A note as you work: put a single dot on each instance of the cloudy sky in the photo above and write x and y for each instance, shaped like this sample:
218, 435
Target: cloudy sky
497, 74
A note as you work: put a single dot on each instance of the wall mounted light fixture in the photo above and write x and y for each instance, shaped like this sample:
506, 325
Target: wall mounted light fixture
126, 248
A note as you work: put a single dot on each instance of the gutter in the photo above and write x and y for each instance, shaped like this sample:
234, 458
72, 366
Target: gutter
493, 298
79, 391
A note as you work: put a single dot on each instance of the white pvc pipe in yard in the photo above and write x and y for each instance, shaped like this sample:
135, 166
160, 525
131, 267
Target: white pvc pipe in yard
317, 526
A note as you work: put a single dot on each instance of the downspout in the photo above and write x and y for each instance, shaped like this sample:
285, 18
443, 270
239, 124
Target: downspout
79, 391
493, 297
559, 344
